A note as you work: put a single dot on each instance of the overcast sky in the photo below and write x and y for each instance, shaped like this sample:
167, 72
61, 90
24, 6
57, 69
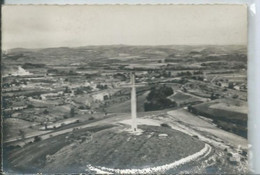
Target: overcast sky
55, 26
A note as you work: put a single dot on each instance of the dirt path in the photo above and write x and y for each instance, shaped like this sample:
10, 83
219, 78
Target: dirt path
196, 123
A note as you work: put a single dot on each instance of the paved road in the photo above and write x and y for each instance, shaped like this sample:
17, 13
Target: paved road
48, 134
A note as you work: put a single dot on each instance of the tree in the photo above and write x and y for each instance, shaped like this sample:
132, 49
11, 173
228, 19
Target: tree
22, 134
46, 112
72, 112
71, 72
230, 85
67, 90
169, 74
189, 108
45, 126
79, 91
106, 97
213, 96
188, 73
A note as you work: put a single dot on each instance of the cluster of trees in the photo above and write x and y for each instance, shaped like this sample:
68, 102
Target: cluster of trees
214, 96
165, 73
52, 71
31, 66
46, 112
67, 90
213, 64
82, 107
188, 73
82, 90
157, 99
61, 72
6, 102
200, 78
120, 76
224, 64
101, 87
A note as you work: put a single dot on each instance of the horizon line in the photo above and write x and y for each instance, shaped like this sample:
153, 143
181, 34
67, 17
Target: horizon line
97, 45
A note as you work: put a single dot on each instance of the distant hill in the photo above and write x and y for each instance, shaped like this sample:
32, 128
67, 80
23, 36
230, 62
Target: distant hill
66, 55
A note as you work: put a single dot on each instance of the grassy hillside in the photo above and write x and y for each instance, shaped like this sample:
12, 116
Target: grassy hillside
114, 149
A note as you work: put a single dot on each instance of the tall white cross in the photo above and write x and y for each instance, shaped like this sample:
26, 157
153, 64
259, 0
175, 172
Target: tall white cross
133, 101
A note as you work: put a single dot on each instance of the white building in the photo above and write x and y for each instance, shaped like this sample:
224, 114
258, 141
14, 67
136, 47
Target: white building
100, 96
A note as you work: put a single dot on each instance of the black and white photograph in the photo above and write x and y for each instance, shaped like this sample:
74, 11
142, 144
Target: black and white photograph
124, 89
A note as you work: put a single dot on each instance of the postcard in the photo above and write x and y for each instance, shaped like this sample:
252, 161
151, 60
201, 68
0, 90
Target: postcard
124, 89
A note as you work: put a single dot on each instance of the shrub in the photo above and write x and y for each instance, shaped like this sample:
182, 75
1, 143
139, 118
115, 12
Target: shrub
37, 139
195, 136
30, 106
45, 111
91, 118
165, 125
72, 112
235, 96
244, 153
229, 154
81, 107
